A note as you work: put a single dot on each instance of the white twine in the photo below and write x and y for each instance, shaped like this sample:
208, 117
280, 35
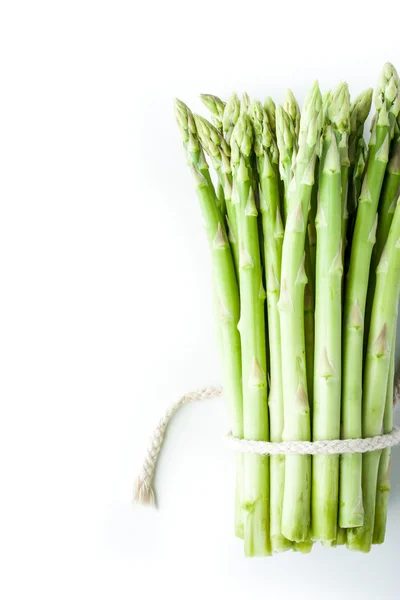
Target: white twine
143, 490
352, 446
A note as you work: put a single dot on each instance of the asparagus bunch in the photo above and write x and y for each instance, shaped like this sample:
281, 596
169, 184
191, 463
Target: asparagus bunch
295, 200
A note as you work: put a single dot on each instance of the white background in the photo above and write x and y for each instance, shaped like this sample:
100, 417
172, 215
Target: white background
105, 305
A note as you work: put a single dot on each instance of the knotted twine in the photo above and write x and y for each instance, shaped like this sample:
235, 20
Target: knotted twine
143, 490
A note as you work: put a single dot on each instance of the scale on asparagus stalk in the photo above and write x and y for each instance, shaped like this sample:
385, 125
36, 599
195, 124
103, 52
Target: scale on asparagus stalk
303, 226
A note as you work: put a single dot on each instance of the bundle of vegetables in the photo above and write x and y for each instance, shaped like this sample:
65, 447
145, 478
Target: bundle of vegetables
303, 225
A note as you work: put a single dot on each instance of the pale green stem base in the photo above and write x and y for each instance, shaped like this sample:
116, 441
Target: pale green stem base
382, 497
297, 498
360, 538
325, 497
278, 542
303, 547
383, 489
256, 509
239, 517
351, 511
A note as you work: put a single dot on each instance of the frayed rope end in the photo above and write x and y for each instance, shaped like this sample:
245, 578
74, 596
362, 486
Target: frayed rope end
143, 493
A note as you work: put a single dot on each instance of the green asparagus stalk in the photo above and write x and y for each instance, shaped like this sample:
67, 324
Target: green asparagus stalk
340, 539
309, 292
303, 547
292, 108
359, 111
386, 208
312, 234
216, 106
309, 309
310, 267
387, 204
341, 120
296, 503
328, 322
267, 165
287, 144
230, 116
245, 103
341, 536
376, 374
252, 333
383, 489
269, 107
326, 100
387, 105
219, 152
356, 173
225, 284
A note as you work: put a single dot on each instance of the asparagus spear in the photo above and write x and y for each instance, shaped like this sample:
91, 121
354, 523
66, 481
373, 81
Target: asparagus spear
292, 108
328, 325
339, 115
296, 503
309, 292
216, 106
386, 208
269, 107
245, 103
387, 104
267, 159
287, 144
376, 373
225, 284
309, 309
252, 332
359, 111
219, 152
383, 488
312, 235
327, 376
230, 116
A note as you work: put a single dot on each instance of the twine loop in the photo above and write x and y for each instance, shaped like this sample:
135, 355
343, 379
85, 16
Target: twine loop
350, 446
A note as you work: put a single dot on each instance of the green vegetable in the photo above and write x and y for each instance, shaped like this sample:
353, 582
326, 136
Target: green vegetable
219, 152
359, 111
230, 116
269, 107
328, 340
267, 159
296, 502
383, 488
252, 333
216, 106
287, 144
